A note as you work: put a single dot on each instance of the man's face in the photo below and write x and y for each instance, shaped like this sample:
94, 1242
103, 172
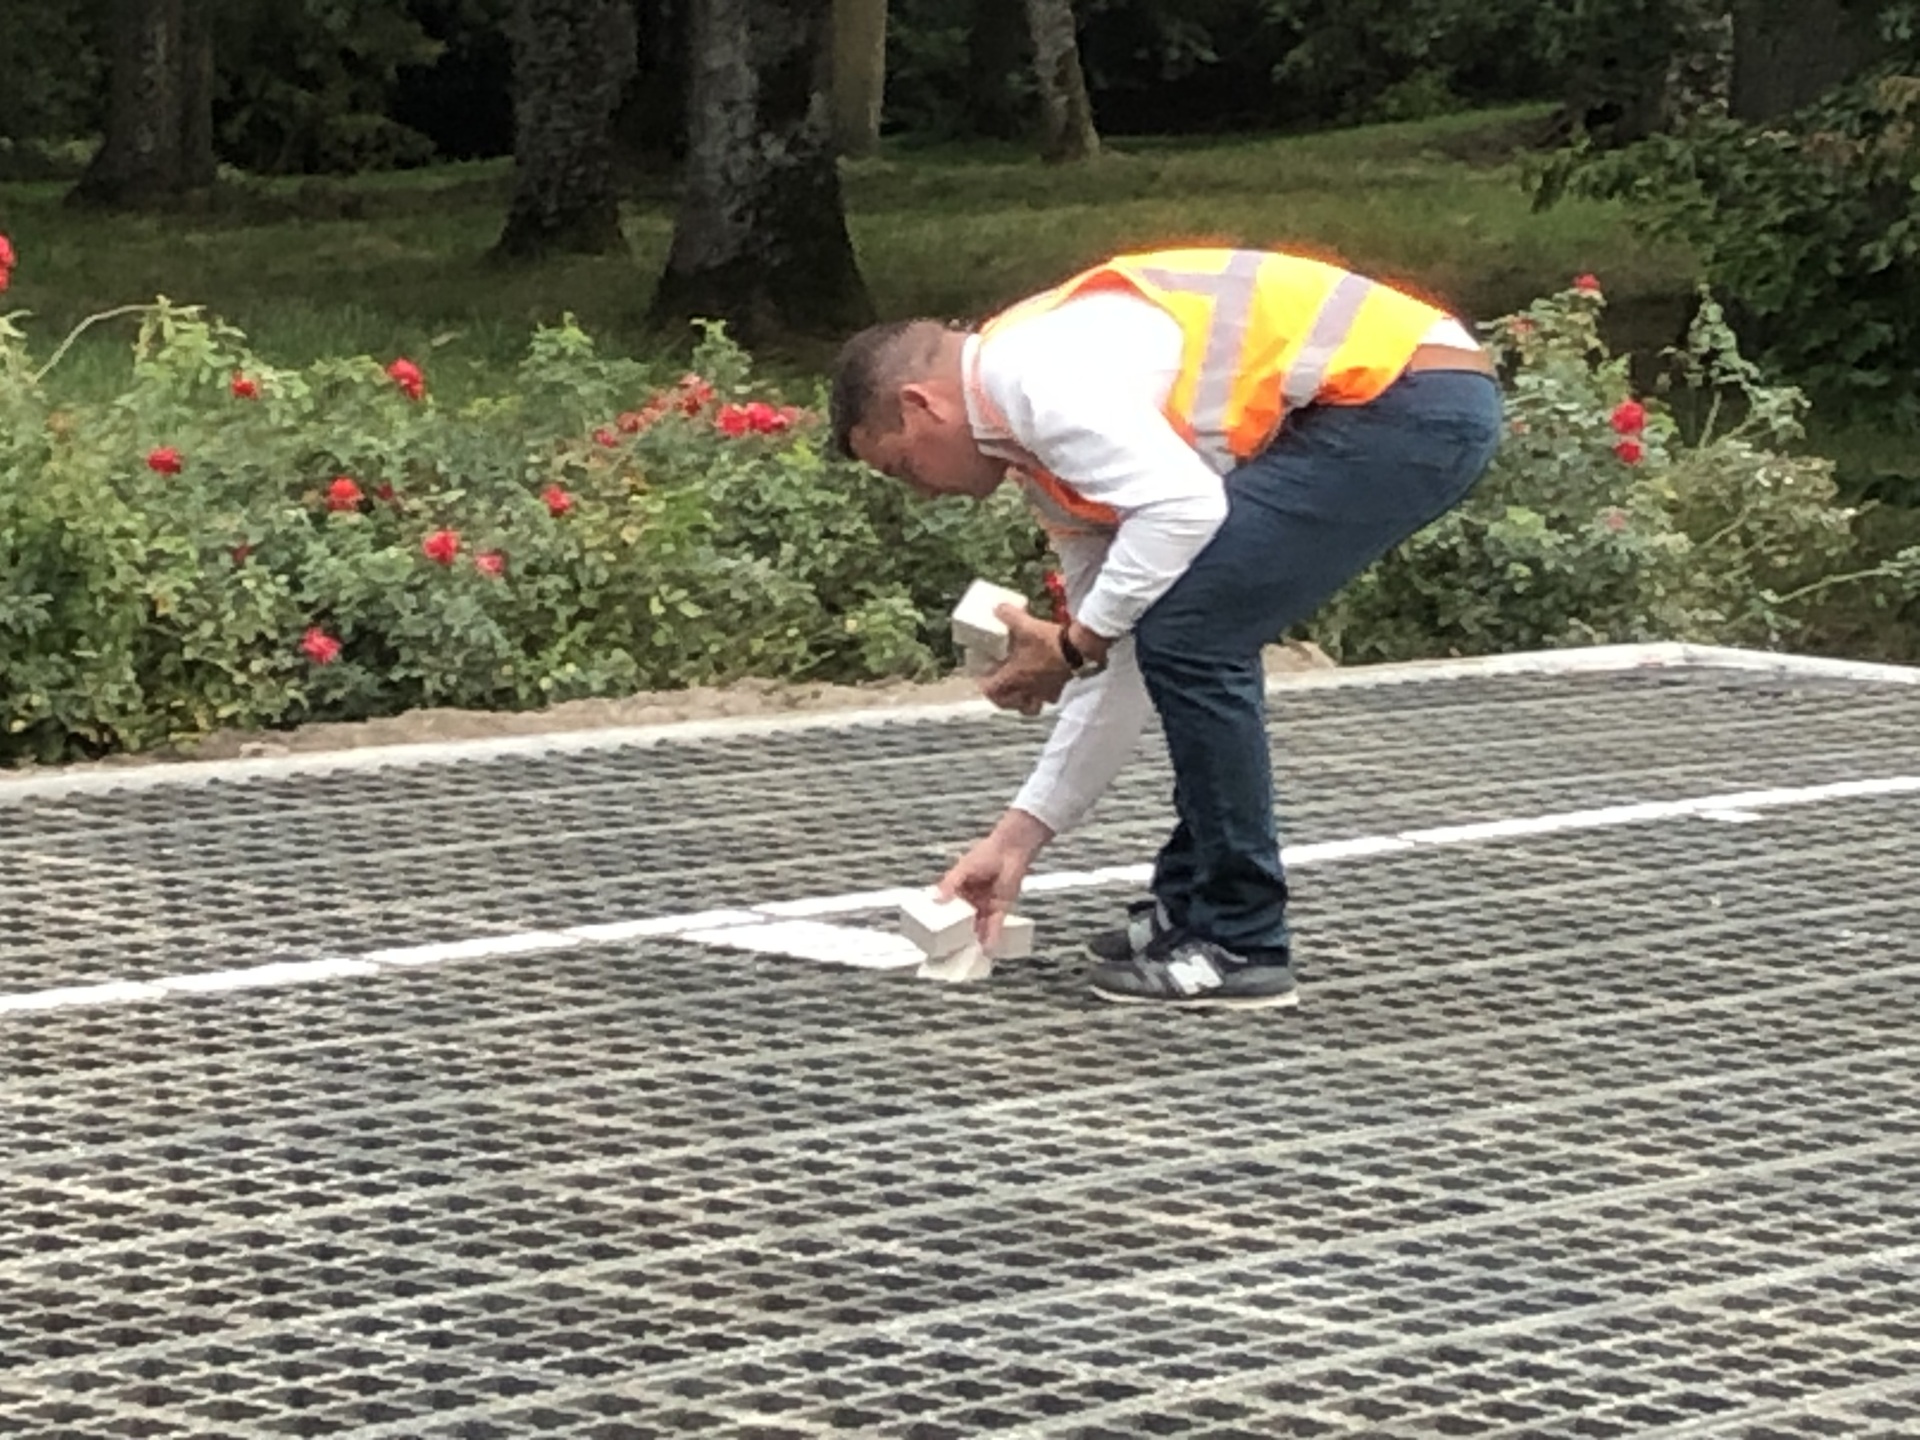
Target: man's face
932, 450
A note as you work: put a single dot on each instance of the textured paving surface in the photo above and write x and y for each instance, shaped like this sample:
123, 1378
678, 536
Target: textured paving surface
1607, 1132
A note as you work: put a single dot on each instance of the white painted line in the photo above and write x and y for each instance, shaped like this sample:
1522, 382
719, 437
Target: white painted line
1342, 849
1587, 660
841, 904
811, 940
1087, 879
114, 992
659, 925
793, 928
482, 947
283, 972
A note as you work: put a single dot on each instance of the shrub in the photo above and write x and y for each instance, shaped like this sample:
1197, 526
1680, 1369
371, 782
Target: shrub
1604, 520
227, 543
1810, 224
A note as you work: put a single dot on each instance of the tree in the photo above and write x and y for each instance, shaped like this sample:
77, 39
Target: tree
1066, 114
1786, 55
859, 74
158, 145
997, 45
1618, 54
761, 236
571, 60
650, 130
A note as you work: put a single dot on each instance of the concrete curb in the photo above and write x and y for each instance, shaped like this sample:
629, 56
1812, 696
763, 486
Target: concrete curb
1598, 659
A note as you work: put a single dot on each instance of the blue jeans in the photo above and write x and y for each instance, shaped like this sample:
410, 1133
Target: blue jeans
1335, 490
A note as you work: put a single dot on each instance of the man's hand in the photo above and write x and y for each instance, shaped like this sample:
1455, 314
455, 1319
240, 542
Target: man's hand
988, 877
1034, 672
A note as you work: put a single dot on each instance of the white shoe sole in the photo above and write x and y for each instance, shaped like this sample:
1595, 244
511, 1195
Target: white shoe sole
1280, 1001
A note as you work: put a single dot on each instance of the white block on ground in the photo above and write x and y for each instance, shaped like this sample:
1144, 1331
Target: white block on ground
976, 627
938, 927
1016, 939
960, 967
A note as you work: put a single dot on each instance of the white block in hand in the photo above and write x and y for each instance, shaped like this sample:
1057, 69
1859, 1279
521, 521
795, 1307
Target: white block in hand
978, 663
976, 627
960, 967
939, 927
1016, 939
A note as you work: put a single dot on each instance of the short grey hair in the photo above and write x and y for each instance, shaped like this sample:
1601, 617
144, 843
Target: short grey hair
871, 368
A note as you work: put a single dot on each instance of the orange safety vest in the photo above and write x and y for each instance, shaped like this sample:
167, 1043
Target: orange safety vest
1264, 334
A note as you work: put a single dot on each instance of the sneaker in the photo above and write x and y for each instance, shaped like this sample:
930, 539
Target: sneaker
1190, 971
1146, 922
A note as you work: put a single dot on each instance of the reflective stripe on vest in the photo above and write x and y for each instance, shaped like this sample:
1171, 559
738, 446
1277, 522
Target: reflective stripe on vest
1330, 330
1232, 291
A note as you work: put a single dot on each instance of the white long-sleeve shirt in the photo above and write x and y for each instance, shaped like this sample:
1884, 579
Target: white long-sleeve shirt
1082, 390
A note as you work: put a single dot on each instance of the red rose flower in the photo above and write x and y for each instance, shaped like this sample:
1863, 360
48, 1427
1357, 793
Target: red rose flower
490, 562
244, 388
1587, 284
319, 647
695, 394
165, 460
632, 422
344, 494
765, 420
1630, 451
558, 500
384, 491
1629, 417
441, 546
407, 376
733, 420
606, 437
1056, 584
6, 262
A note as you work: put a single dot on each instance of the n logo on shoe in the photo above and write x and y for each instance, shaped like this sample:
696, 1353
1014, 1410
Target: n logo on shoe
1192, 974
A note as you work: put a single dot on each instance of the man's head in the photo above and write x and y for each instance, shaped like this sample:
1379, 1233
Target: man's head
899, 404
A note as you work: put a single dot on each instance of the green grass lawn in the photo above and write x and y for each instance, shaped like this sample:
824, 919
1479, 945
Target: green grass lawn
396, 263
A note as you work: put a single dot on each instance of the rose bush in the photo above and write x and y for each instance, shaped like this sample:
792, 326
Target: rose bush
228, 543
1605, 519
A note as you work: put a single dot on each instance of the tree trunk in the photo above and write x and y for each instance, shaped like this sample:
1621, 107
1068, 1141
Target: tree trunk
1785, 56
859, 74
997, 46
1617, 90
650, 128
1066, 114
158, 145
571, 60
761, 237
197, 164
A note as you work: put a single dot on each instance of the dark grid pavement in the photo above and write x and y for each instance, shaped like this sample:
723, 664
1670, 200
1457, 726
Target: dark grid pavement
1608, 1132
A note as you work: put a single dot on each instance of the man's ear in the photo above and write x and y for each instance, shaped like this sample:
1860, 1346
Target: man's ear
918, 395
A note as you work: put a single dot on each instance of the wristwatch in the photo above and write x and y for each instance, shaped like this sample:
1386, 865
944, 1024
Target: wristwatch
1077, 662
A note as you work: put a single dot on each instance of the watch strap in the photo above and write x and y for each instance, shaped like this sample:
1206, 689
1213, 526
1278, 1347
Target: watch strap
1076, 658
